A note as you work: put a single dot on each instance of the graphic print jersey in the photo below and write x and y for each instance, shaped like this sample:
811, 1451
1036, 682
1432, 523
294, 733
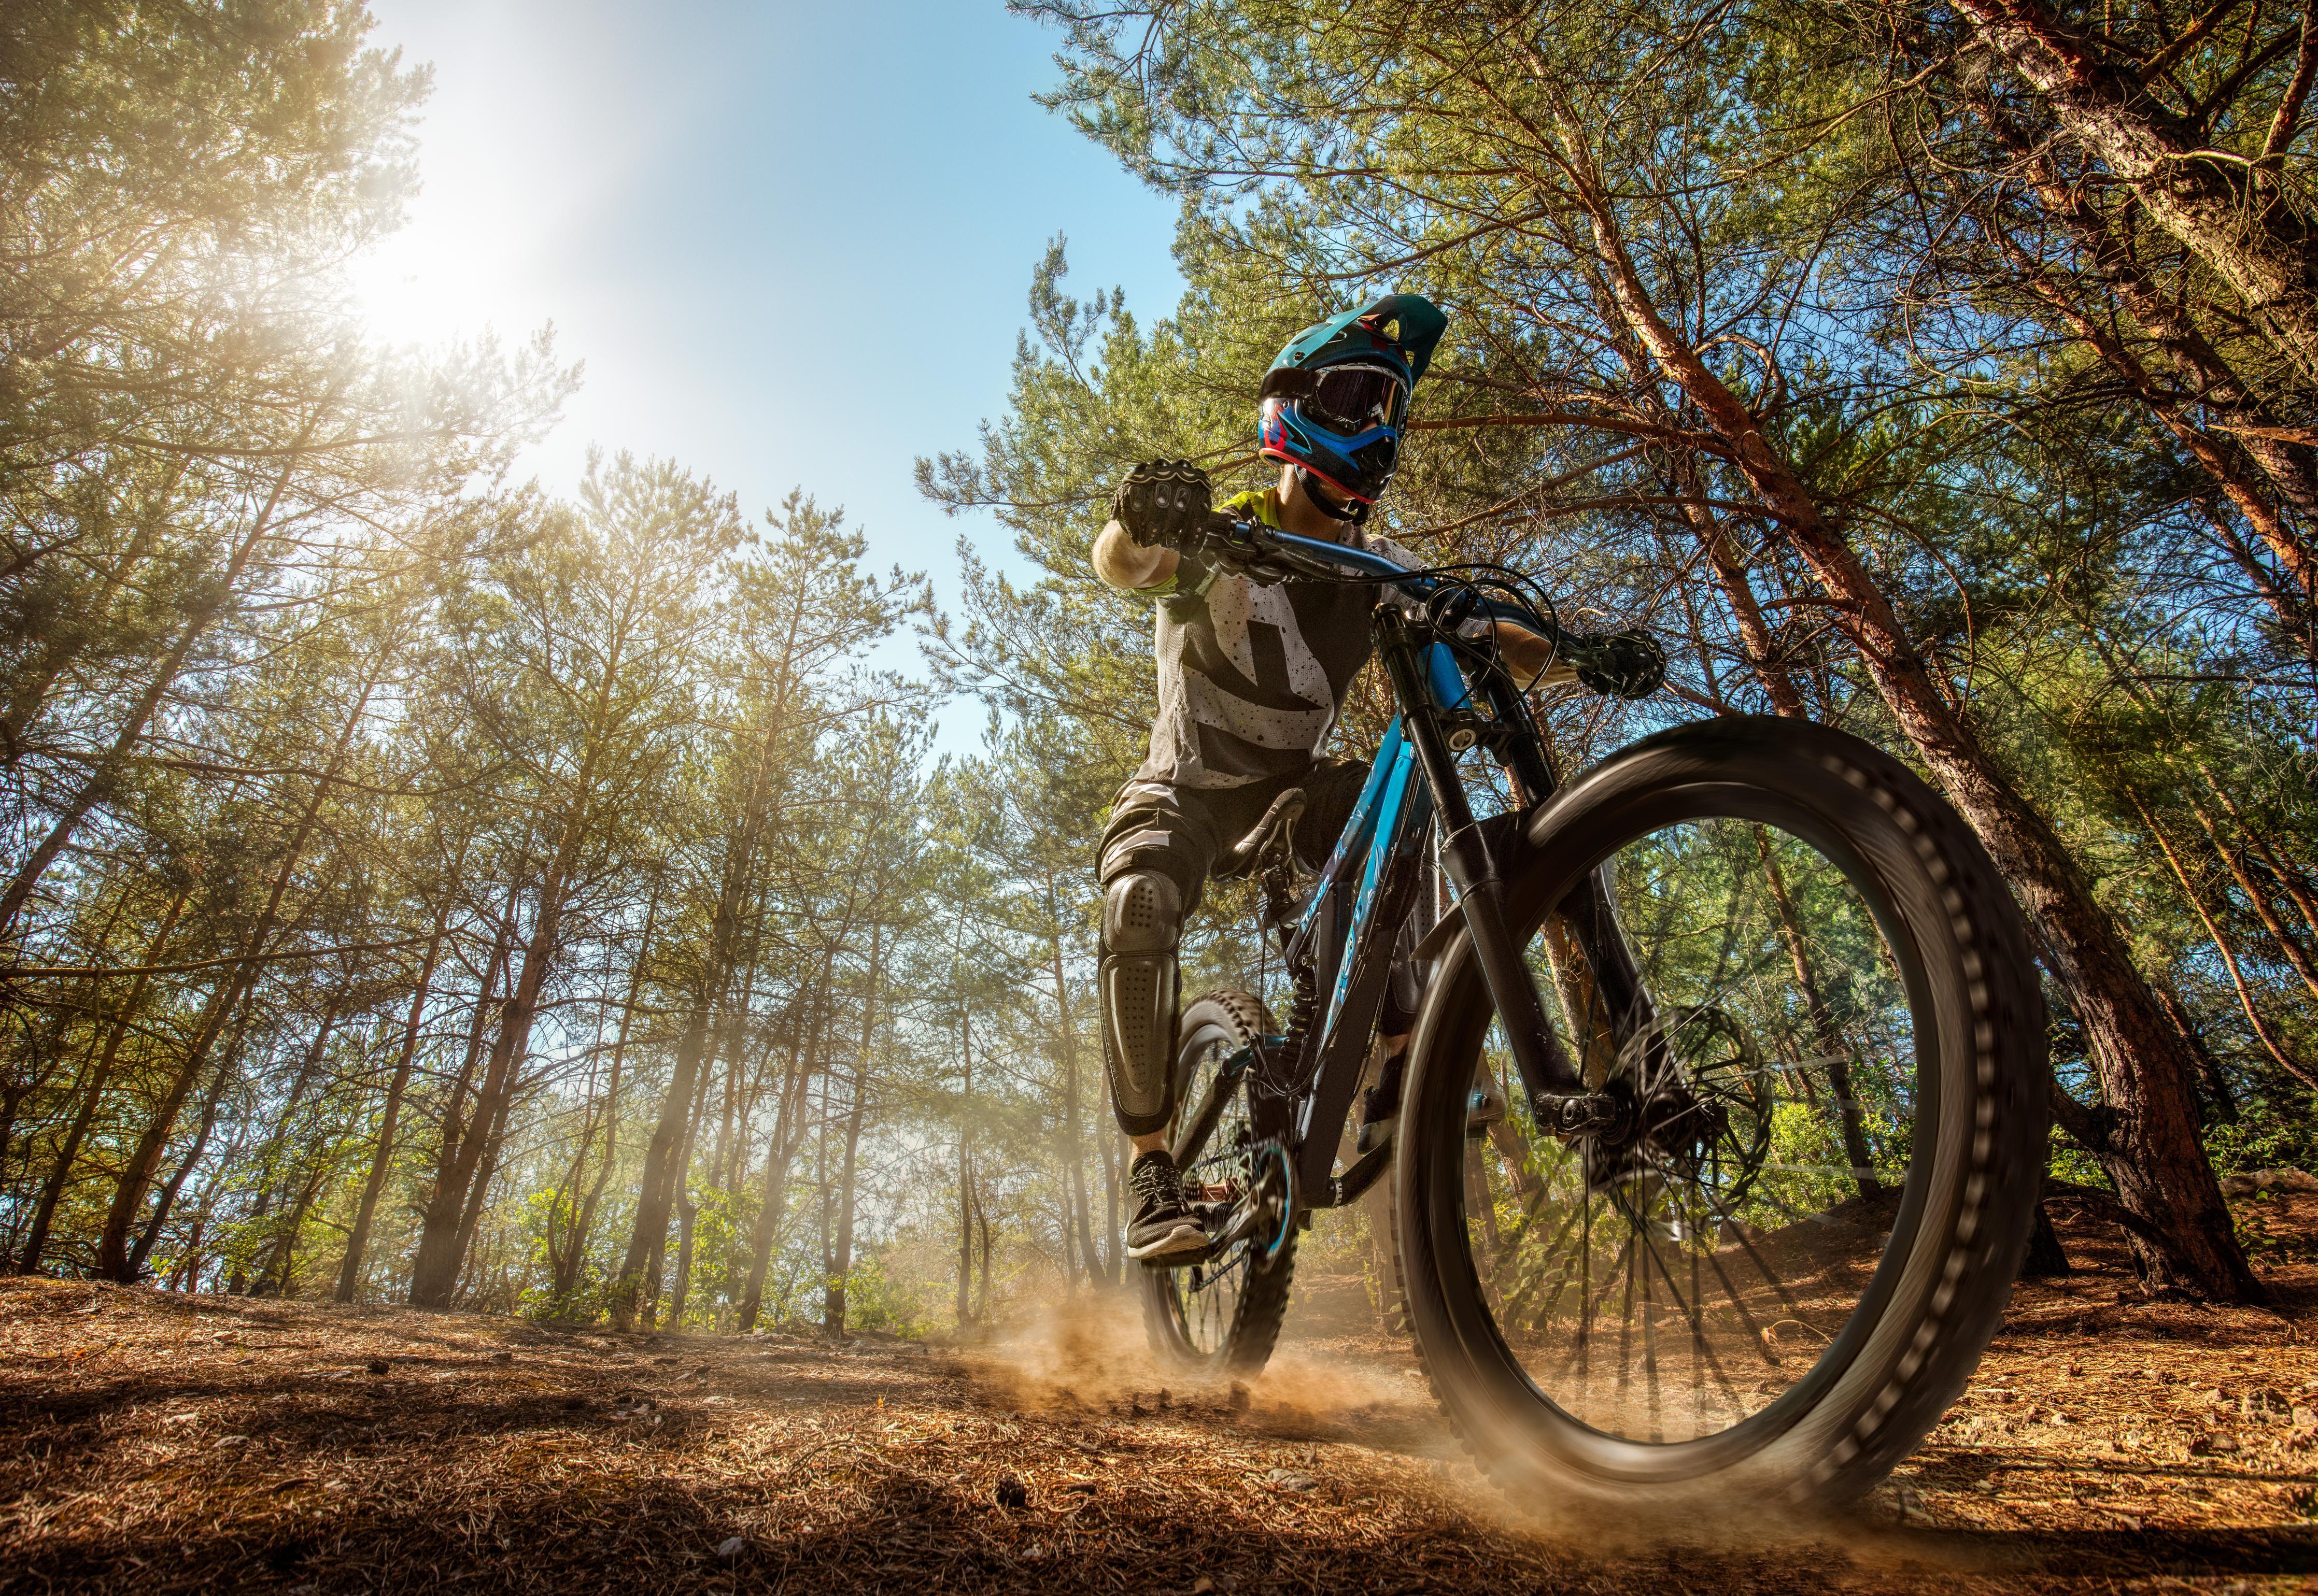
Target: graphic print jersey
1251, 677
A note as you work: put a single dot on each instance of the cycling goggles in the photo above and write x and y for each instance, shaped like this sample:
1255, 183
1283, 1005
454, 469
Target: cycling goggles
1350, 398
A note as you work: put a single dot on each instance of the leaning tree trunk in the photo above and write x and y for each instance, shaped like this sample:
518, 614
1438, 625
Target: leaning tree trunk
2213, 207
227, 1070
658, 1192
100, 1077
104, 778
2154, 1153
444, 1230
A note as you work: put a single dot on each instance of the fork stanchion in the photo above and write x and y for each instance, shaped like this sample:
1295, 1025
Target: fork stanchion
1545, 1069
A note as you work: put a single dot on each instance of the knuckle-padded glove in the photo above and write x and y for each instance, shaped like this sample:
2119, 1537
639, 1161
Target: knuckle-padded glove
1163, 504
1623, 664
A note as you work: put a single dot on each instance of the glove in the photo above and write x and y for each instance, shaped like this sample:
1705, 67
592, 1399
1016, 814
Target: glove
1163, 504
1626, 664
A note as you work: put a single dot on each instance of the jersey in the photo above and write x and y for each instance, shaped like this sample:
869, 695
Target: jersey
1252, 677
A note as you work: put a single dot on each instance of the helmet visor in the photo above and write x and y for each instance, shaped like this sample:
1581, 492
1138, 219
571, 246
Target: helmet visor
1353, 398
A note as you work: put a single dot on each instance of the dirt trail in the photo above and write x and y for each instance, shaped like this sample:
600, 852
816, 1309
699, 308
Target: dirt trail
155, 1443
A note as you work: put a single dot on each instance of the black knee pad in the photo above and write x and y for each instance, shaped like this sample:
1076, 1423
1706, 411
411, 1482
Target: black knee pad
1142, 925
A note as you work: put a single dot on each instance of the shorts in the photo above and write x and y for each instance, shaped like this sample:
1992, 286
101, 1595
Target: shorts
1180, 831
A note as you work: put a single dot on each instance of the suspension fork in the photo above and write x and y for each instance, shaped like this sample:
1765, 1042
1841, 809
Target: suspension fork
1544, 1068
1587, 910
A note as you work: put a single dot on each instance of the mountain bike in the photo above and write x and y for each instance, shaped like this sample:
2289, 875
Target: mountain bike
1721, 1122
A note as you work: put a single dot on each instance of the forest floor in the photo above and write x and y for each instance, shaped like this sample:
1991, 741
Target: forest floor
156, 1442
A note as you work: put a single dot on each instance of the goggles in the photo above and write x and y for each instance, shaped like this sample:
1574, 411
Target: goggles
1348, 399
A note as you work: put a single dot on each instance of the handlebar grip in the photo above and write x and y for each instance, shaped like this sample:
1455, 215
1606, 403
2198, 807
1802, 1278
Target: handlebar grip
1623, 664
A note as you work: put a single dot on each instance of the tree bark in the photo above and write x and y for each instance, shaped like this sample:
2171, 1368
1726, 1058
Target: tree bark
1831, 1043
446, 1229
151, 1236
1073, 1135
112, 1249
669, 1136
583, 1224
681, 1199
780, 1151
965, 1174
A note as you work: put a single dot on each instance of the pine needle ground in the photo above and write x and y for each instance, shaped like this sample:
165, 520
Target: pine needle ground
156, 1442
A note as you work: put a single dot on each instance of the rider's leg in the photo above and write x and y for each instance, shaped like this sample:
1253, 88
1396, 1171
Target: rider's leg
1154, 858
1138, 981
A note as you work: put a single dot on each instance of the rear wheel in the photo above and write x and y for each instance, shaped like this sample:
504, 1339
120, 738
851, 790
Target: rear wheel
1779, 1265
1222, 1315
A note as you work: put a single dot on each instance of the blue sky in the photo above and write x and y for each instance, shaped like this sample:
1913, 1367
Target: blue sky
791, 241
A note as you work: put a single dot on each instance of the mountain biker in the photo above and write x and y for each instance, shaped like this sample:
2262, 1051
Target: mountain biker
1252, 676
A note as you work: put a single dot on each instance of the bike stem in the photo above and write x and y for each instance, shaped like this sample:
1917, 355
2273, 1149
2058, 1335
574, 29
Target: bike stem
1545, 1070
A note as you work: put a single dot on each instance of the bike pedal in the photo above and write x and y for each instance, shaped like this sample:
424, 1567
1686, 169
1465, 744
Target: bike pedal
1482, 1109
1374, 1134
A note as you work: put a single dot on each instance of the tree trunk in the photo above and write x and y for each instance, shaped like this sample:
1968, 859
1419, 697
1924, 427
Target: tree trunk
2046, 1259
965, 1174
2153, 1154
444, 1231
129, 1198
567, 1275
833, 1307
687, 1209
1074, 1139
478, 1189
44, 1213
228, 1068
382, 1159
780, 1153
669, 1136
1835, 1050
99, 786
2215, 210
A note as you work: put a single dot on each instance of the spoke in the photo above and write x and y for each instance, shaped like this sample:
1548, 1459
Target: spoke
1650, 1340
1761, 1342
1697, 1329
1739, 1230
1514, 1304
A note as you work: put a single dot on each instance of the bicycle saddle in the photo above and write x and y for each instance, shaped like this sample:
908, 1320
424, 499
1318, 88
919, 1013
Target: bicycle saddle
1277, 824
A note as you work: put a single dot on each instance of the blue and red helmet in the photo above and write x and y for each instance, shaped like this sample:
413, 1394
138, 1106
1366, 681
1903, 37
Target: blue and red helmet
1336, 398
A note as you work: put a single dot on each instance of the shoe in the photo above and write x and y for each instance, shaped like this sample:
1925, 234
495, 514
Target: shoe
1375, 1132
1164, 1225
1380, 1106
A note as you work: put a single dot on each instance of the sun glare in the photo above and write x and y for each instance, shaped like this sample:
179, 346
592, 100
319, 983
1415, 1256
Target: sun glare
420, 285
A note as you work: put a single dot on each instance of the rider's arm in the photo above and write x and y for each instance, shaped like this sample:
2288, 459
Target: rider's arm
1122, 563
1528, 656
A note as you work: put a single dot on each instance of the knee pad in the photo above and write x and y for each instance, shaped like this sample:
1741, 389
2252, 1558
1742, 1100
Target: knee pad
1142, 924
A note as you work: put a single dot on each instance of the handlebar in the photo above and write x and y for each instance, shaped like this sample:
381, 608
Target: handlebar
1629, 664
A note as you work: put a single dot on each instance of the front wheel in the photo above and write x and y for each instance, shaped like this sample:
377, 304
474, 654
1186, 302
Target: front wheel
1221, 1316
1774, 1272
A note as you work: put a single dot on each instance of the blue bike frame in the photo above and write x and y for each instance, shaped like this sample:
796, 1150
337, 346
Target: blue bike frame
1390, 823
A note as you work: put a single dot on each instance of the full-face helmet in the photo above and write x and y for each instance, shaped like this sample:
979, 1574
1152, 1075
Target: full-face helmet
1336, 398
